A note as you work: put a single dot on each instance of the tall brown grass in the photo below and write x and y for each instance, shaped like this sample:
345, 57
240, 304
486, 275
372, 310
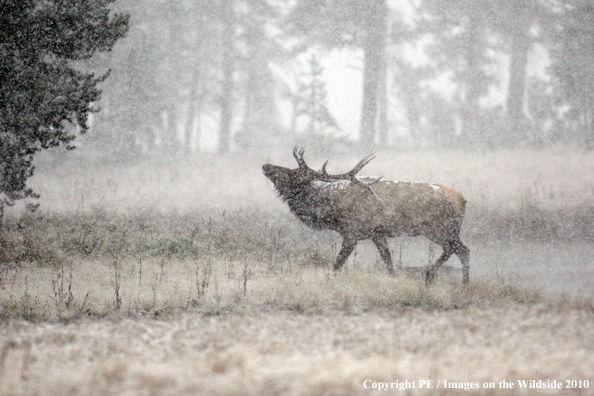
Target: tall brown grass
204, 275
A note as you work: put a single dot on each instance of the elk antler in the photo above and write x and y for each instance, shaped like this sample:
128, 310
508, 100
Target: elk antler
325, 176
298, 154
351, 175
324, 167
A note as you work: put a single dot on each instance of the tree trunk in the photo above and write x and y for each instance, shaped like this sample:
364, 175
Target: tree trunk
169, 135
249, 100
470, 114
373, 48
226, 100
517, 87
382, 120
189, 122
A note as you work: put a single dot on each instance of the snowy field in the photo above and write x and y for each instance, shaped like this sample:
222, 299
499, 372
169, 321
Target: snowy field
191, 278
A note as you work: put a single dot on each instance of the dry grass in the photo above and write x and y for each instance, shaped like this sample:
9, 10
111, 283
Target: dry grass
156, 287
192, 278
106, 322
255, 353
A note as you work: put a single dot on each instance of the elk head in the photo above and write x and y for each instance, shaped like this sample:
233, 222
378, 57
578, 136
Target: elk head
289, 182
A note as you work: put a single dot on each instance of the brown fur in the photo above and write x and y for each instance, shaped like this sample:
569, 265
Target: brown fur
382, 210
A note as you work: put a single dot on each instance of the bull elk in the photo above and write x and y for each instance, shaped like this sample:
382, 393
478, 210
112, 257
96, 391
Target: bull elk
364, 207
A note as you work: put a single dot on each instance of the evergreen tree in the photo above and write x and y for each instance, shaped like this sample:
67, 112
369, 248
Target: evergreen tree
258, 49
166, 75
458, 46
356, 23
572, 56
514, 21
310, 102
41, 92
313, 100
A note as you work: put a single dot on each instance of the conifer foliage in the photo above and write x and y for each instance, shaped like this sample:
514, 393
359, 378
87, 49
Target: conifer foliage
42, 92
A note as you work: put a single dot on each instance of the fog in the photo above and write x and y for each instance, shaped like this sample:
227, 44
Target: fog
231, 76
492, 99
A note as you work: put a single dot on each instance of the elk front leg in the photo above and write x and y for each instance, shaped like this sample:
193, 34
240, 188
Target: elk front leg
382, 245
348, 244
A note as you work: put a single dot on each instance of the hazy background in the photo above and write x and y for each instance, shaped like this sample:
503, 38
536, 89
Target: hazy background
198, 76
492, 98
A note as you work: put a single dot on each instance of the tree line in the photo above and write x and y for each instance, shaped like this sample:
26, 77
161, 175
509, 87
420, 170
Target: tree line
225, 63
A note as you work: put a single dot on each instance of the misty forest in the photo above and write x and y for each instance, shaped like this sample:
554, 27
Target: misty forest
301, 197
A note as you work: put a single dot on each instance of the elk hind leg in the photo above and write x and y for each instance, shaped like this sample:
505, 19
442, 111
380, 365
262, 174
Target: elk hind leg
447, 252
463, 254
348, 245
382, 245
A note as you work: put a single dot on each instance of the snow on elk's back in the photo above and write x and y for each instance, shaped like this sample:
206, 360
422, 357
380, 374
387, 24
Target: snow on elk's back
331, 185
341, 184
